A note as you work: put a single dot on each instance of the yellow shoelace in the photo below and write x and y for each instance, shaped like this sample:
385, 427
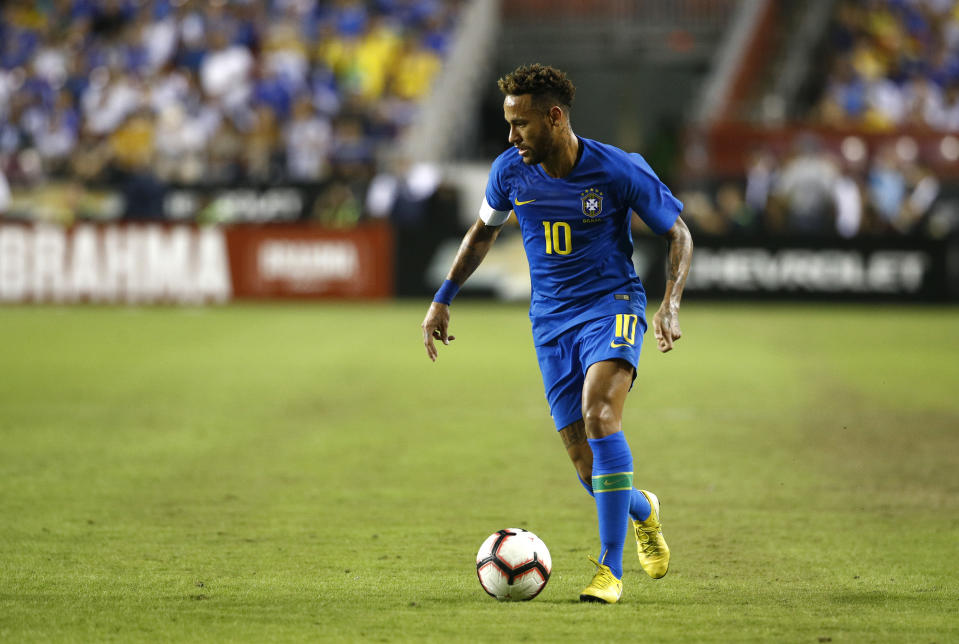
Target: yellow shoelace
604, 576
643, 534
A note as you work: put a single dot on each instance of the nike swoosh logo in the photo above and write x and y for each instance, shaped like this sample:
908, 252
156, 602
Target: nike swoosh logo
616, 481
616, 345
523, 203
612, 482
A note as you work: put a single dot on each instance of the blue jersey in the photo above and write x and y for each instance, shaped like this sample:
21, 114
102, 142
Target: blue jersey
576, 231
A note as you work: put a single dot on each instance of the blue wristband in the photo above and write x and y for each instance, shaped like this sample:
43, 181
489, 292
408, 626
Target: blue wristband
447, 292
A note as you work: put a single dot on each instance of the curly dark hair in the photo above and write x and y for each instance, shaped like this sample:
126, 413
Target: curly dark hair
546, 84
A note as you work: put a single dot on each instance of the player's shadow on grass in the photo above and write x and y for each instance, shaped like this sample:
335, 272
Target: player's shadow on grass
564, 601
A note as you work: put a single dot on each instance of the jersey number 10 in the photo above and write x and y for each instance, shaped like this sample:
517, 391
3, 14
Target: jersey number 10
559, 238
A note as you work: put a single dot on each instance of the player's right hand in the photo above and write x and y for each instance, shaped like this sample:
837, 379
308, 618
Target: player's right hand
435, 326
666, 327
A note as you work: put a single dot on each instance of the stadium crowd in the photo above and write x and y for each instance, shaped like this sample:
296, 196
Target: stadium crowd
141, 95
893, 64
190, 92
891, 71
812, 189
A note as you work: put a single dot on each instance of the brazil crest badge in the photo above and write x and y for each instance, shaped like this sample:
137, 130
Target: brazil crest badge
592, 202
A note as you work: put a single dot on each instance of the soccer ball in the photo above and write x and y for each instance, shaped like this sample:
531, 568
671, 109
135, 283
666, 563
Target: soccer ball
513, 565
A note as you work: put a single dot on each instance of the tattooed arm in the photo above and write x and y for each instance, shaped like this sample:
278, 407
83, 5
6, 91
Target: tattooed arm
477, 242
666, 320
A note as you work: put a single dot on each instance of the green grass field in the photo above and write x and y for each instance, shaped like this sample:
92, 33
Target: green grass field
297, 473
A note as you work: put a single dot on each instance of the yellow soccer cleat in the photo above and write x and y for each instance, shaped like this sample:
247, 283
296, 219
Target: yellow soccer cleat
604, 588
650, 544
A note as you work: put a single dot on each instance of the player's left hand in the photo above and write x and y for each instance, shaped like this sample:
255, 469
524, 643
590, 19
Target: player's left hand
666, 327
436, 325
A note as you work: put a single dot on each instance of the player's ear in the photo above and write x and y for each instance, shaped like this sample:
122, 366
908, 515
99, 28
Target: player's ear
556, 116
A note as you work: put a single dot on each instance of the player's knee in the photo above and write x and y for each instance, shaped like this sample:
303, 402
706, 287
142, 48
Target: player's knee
601, 419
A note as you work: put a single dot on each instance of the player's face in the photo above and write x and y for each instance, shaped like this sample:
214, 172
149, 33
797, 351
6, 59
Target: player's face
530, 128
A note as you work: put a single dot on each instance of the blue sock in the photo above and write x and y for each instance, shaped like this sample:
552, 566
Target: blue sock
612, 489
589, 488
639, 507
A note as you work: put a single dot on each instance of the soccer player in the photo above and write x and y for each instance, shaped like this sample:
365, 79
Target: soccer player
572, 198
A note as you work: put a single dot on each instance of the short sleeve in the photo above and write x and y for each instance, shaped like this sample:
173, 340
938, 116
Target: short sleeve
648, 196
496, 205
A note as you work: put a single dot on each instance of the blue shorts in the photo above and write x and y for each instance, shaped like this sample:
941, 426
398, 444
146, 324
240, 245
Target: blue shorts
563, 361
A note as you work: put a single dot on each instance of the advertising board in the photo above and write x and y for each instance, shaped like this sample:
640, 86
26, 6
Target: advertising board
187, 264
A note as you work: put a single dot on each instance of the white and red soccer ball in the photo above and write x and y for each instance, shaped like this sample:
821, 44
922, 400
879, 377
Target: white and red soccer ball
513, 565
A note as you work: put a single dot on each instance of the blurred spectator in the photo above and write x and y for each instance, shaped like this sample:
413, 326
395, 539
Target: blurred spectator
224, 153
375, 55
159, 39
901, 192
805, 187
887, 185
924, 189
226, 71
352, 151
402, 192
308, 140
133, 156
111, 96
57, 135
181, 141
415, 70
260, 151
285, 52
761, 175
847, 195
132, 143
